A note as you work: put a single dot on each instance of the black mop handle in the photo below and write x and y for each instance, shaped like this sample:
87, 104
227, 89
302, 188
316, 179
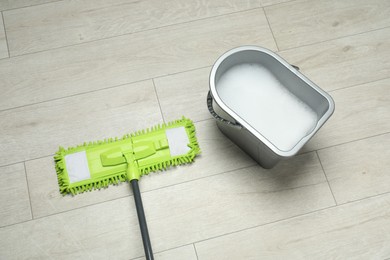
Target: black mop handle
142, 221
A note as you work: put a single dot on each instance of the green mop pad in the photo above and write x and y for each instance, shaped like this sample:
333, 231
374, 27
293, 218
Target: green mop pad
98, 164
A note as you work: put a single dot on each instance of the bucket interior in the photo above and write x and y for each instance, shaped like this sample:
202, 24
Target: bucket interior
267, 95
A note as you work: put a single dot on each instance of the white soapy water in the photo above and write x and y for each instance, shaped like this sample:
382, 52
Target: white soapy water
255, 94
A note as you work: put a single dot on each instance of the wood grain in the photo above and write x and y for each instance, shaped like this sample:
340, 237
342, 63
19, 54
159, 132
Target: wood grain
129, 58
38, 130
344, 62
14, 198
219, 154
354, 231
66, 23
3, 41
176, 215
363, 168
298, 23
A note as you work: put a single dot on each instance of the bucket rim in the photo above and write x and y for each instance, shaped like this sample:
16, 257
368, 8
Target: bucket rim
284, 153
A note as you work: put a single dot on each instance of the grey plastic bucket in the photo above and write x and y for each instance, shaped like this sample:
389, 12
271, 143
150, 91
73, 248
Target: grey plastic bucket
265, 105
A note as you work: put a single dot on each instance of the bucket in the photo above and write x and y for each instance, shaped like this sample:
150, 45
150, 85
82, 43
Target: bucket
264, 104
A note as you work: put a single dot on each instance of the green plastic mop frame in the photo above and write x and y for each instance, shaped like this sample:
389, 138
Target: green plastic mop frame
97, 165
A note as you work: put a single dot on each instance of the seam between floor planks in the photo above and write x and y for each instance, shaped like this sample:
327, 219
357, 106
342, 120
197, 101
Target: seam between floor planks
270, 28
5, 36
158, 100
28, 190
326, 177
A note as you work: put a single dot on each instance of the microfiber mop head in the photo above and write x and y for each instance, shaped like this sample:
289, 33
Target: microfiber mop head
98, 164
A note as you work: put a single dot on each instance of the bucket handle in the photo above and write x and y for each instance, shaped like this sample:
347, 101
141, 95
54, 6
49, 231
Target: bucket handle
216, 116
295, 67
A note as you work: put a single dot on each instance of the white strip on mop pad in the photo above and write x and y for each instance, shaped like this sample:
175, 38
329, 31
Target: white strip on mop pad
77, 167
178, 141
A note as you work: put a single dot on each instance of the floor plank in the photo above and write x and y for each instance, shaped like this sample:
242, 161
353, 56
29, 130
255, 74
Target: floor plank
361, 112
362, 166
176, 215
38, 130
300, 23
13, 4
66, 23
14, 199
344, 62
219, 154
111, 62
358, 230
3, 41
184, 93
185, 252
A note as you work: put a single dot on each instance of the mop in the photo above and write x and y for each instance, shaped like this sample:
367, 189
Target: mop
99, 164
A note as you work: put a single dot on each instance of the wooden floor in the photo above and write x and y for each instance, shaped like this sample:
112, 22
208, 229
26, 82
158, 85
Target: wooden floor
81, 70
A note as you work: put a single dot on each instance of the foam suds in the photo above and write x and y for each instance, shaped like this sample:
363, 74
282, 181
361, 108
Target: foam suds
255, 94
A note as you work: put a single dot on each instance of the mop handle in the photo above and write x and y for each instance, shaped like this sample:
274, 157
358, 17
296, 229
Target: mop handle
142, 221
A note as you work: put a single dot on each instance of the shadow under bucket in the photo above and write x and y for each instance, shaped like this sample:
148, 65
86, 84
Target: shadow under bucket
265, 105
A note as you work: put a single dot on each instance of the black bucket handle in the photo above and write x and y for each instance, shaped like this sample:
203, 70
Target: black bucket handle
218, 117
